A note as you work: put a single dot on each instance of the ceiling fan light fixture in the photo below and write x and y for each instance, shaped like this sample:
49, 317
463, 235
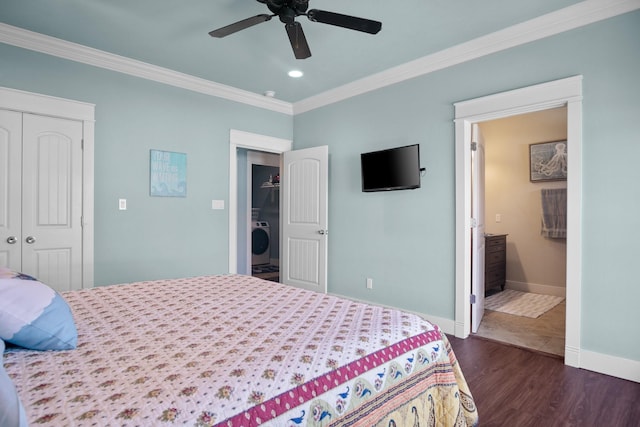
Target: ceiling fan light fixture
296, 74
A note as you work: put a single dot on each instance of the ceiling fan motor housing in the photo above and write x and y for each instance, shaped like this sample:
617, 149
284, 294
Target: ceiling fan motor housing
287, 10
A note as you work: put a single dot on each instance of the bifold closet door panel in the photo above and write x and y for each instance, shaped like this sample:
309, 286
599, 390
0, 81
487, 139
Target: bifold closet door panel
10, 189
52, 200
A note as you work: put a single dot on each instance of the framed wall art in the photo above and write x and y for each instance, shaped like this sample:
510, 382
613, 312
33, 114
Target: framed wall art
548, 161
168, 174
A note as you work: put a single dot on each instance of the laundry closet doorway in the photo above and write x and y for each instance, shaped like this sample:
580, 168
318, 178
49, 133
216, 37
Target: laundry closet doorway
263, 201
304, 187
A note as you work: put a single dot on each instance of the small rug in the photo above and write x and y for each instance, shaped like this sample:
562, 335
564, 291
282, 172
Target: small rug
521, 303
264, 268
266, 272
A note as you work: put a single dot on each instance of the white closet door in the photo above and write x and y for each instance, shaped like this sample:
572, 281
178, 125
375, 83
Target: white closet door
52, 201
10, 192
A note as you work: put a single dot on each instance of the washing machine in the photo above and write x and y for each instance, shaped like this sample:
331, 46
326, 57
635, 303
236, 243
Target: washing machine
260, 242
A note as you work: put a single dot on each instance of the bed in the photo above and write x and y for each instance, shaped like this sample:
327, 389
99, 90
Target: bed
234, 350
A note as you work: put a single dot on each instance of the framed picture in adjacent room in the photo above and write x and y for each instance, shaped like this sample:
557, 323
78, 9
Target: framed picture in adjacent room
168, 174
548, 161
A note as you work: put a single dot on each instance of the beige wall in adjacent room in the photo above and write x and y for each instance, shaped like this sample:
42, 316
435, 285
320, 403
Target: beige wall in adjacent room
534, 263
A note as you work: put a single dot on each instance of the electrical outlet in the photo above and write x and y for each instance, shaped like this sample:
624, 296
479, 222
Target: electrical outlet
498, 218
369, 283
122, 204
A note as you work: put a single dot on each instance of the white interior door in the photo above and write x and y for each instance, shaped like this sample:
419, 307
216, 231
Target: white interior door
52, 201
10, 189
477, 233
304, 216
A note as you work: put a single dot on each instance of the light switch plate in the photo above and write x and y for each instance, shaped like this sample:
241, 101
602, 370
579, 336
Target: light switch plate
122, 204
217, 204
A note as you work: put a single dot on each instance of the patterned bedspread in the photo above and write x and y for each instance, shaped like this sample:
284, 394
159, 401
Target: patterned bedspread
234, 350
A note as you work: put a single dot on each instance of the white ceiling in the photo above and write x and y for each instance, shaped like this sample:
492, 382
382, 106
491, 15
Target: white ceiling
174, 35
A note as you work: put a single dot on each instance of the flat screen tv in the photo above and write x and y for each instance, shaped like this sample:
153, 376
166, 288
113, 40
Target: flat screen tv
393, 169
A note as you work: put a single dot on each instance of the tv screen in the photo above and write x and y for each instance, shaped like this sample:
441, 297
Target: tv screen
392, 169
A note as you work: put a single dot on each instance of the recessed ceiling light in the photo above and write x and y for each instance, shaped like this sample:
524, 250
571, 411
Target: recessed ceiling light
296, 74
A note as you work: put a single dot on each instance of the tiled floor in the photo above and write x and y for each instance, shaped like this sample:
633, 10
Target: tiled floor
266, 272
545, 334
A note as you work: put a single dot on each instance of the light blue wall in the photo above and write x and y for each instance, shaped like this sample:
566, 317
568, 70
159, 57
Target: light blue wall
156, 237
405, 240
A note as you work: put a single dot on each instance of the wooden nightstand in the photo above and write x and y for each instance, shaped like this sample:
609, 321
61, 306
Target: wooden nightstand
495, 262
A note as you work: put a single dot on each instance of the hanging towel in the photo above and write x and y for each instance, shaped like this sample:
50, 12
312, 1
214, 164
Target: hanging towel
554, 213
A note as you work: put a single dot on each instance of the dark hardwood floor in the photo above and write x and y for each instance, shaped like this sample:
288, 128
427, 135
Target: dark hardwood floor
516, 387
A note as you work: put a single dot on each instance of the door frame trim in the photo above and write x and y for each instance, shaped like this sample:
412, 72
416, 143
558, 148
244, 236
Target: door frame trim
45, 105
564, 92
250, 141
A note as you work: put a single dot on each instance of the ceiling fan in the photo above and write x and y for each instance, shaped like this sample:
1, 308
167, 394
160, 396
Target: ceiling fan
287, 11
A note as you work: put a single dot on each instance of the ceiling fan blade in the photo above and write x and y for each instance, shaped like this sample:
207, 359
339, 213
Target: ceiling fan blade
298, 40
344, 21
240, 25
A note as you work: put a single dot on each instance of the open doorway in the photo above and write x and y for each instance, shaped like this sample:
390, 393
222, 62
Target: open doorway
240, 143
263, 192
525, 264
564, 92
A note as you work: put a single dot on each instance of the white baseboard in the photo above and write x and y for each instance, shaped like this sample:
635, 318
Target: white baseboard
572, 356
535, 288
610, 365
446, 325
460, 330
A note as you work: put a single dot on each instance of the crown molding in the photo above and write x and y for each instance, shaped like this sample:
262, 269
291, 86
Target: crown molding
569, 18
35, 103
75, 52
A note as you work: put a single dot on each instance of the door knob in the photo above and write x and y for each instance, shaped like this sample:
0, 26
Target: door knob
12, 240
30, 240
323, 232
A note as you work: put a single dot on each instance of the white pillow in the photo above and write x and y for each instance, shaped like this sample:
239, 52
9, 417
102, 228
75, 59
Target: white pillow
11, 410
34, 316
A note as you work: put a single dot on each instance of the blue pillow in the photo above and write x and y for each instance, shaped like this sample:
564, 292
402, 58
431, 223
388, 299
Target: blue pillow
11, 410
34, 316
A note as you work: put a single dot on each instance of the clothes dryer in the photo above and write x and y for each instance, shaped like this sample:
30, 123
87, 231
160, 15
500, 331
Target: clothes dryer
260, 242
